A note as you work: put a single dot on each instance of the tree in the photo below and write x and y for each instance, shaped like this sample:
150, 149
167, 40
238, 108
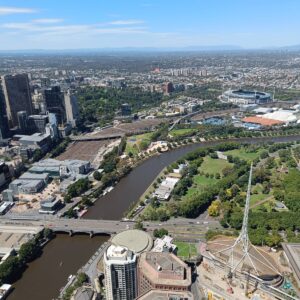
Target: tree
273, 240
47, 233
214, 208
29, 251
264, 154
97, 175
159, 233
139, 225
37, 155
9, 269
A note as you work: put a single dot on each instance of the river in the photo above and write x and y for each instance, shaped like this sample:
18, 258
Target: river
113, 205
62, 256
45, 276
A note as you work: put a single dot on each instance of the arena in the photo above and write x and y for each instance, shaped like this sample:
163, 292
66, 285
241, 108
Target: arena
244, 97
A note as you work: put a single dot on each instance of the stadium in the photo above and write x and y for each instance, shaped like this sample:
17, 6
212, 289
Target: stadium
244, 97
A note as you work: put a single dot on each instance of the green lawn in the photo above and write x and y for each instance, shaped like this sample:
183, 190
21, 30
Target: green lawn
203, 181
134, 140
257, 197
213, 166
182, 132
268, 206
199, 183
243, 154
186, 250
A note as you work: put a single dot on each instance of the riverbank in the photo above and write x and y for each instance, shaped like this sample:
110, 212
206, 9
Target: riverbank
131, 187
61, 257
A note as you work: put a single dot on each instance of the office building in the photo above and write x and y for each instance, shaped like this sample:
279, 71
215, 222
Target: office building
54, 99
52, 130
4, 173
162, 271
35, 141
17, 96
4, 129
120, 273
37, 123
23, 121
71, 106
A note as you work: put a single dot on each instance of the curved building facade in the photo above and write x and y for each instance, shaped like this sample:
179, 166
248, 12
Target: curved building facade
245, 97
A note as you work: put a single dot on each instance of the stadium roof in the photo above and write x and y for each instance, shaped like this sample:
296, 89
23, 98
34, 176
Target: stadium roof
262, 121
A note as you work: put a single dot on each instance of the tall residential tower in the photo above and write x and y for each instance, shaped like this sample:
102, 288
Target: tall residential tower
120, 273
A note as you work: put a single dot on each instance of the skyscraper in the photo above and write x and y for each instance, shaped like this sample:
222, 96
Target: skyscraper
71, 106
54, 99
4, 129
17, 96
120, 273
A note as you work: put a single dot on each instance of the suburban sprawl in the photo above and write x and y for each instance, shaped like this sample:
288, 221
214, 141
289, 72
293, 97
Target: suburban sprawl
155, 176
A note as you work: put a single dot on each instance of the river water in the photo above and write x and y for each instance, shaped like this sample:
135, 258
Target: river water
65, 255
62, 256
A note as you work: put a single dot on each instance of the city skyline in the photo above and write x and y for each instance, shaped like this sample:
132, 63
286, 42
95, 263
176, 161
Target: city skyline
148, 24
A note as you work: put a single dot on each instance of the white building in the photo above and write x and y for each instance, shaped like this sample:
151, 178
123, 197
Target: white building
71, 106
120, 265
164, 245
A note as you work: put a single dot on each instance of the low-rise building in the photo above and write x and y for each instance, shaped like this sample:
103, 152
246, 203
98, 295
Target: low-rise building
33, 176
26, 186
35, 141
164, 245
163, 192
56, 168
50, 205
162, 271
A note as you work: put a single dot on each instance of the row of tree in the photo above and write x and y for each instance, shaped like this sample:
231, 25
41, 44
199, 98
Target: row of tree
11, 269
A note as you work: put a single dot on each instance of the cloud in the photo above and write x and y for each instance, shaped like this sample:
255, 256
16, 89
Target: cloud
6, 10
47, 21
45, 26
126, 22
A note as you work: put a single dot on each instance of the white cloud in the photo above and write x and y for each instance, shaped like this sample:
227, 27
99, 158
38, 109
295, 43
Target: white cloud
6, 10
126, 22
47, 21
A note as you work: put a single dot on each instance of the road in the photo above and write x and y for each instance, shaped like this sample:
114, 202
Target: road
188, 228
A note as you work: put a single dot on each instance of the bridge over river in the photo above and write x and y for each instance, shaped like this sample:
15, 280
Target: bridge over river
70, 226
96, 227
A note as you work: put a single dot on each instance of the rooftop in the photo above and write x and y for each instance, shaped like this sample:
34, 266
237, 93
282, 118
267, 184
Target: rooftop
261, 264
118, 254
165, 268
262, 121
166, 295
137, 241
37, 137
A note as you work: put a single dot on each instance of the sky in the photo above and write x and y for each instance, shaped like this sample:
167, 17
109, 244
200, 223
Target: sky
79, 24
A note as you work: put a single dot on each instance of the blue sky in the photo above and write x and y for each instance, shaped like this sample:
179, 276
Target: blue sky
71, 24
